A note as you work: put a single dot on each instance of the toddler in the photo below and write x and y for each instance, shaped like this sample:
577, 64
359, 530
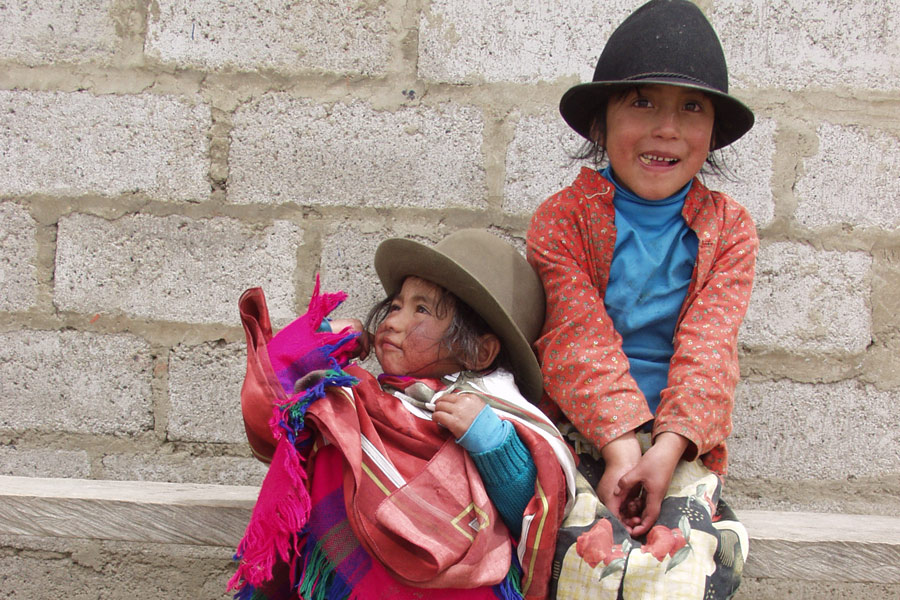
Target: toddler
404, 474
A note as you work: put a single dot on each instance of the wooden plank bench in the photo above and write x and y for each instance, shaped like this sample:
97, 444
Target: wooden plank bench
783, 545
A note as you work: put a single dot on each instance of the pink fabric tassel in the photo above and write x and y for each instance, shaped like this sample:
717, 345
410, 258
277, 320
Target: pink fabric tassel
280, 513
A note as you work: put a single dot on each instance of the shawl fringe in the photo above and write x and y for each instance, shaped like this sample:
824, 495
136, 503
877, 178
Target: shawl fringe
320, 580
511, 587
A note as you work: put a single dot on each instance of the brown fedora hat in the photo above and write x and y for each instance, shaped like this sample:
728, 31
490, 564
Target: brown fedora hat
667, 42
490, 276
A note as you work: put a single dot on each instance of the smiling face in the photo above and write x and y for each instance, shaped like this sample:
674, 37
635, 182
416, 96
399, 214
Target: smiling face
658, 137
410, 339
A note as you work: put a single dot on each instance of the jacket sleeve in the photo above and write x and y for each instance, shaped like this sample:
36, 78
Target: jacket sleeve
703, 371
508, 474
586, 373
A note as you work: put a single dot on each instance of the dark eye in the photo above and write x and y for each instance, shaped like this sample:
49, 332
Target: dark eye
641, 102
693, 107
421, 308
393, 307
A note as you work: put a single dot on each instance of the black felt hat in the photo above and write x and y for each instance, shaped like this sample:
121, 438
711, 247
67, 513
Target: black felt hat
666, 42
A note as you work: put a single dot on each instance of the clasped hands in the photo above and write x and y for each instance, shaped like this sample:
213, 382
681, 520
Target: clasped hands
633, 485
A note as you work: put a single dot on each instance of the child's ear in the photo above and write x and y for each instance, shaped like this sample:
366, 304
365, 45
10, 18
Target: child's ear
488, 349
597, 131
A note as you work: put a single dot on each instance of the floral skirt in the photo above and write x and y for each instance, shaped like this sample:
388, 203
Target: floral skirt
696, 550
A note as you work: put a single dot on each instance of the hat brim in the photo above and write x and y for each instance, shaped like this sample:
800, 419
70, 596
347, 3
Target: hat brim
581, 103
398, 258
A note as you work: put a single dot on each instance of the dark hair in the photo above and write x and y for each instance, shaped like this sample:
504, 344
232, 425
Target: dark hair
594, 151
462, 337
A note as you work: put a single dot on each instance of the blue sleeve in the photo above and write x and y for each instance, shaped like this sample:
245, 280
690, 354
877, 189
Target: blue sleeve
485, 433
506, 467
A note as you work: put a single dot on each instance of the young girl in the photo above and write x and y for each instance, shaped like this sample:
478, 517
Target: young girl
647, 275
405, 474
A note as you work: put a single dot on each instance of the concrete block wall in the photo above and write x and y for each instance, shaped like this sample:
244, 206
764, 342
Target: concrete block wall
159, 157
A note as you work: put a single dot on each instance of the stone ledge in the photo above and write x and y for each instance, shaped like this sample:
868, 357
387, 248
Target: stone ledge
823, 547
130, 511
783, 545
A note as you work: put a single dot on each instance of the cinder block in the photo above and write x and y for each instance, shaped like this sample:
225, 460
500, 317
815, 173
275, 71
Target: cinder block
347, 265
41, 568
205, 393
885, 299
289, 150
42, 462
524, 42
75, 382
809, 43
18, 252
749, 167
808, 300
769, 588
790, 430
37, 33
173, 268
348, 254
537, 161
852, 179
184, 468
68, 144
318, 35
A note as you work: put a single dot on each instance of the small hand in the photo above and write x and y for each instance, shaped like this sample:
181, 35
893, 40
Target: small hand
363, 342
620, 456
309, 380
456, 412
644, 487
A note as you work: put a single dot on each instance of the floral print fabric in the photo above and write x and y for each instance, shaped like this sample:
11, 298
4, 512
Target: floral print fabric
695, 551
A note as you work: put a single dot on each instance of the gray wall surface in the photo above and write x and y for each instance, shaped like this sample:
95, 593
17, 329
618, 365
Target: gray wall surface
157, 158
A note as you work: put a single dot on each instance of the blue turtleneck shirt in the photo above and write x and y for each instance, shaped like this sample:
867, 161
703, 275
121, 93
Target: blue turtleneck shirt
651, 270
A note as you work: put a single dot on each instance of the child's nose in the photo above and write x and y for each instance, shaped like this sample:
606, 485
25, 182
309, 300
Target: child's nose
394, 320
666, 123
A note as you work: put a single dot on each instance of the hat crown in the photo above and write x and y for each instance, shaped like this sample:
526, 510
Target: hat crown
503, 272
661, 39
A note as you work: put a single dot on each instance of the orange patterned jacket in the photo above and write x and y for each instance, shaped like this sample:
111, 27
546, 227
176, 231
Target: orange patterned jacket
586, 373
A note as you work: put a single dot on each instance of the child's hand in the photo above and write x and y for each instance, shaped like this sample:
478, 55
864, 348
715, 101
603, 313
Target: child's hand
363, 342
309, 380
620, 455
456, 412
643, 488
